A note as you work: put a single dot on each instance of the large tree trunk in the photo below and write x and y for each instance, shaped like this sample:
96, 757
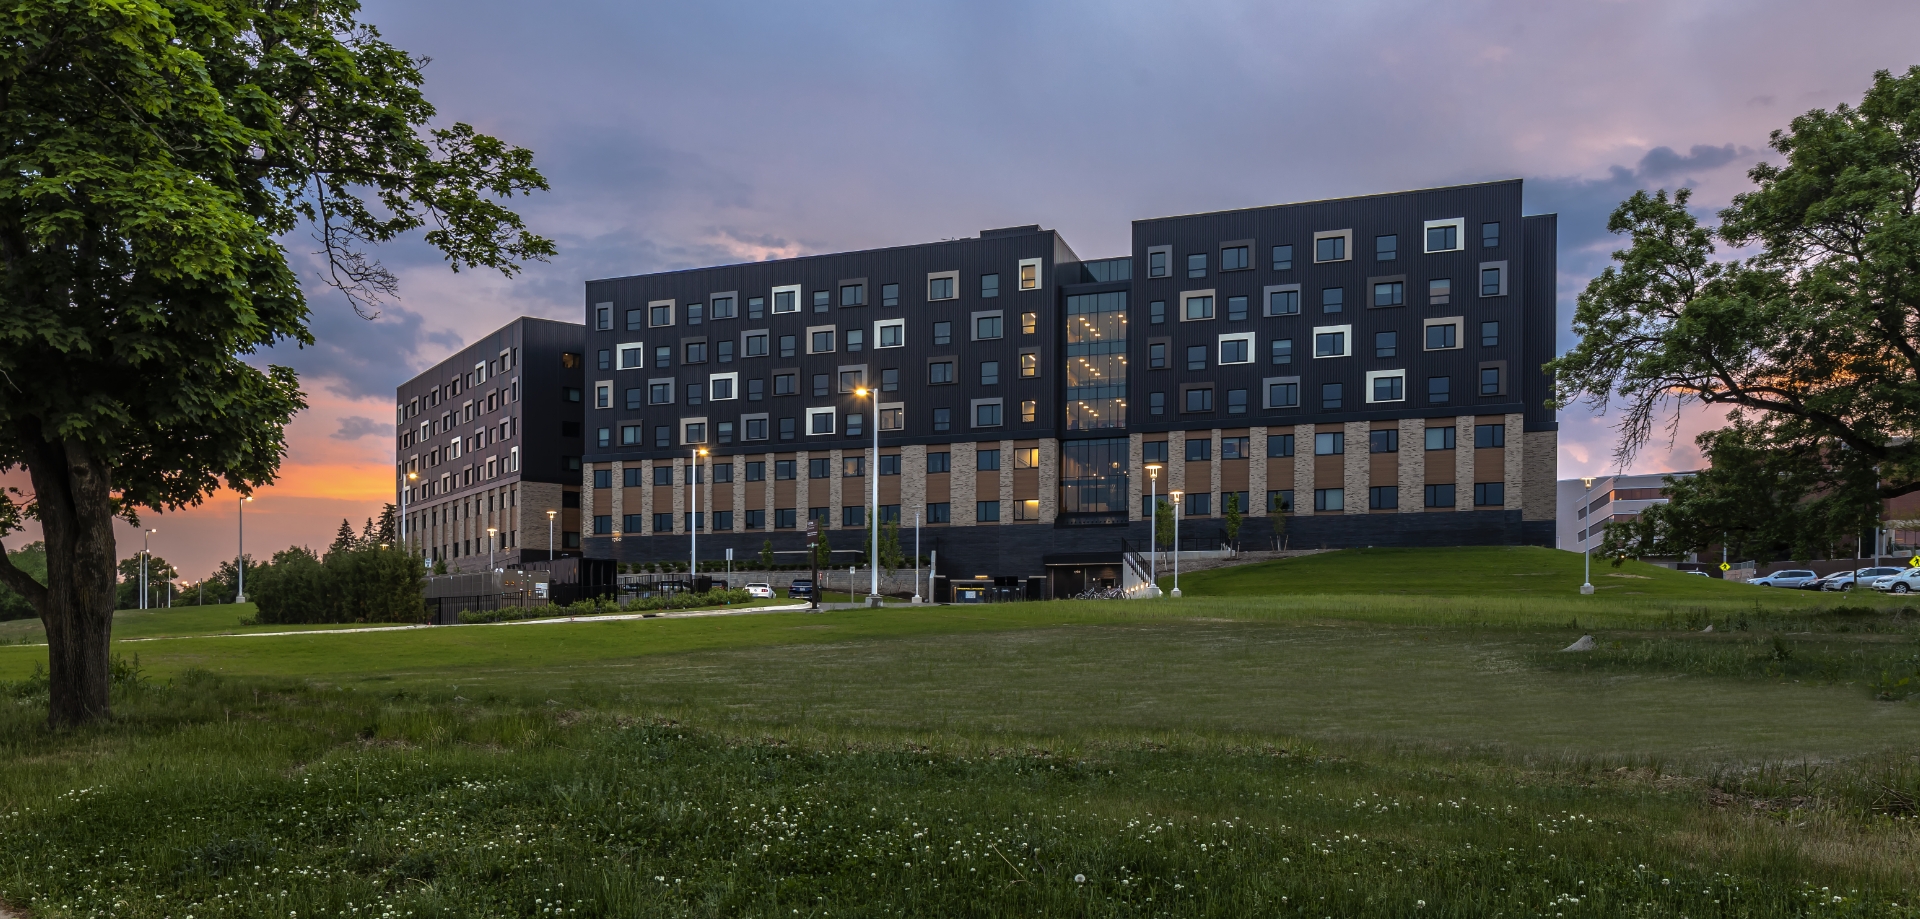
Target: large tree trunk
73, 488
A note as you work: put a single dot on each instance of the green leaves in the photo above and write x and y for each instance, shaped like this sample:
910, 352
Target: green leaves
1813, 340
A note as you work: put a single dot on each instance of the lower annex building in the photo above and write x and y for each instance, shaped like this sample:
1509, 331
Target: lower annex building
1358, 371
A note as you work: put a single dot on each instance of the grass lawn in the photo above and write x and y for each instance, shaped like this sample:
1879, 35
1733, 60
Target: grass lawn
1298, 748
215, 619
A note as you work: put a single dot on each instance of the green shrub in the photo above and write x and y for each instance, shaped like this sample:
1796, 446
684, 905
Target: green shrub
351, 585
600, 606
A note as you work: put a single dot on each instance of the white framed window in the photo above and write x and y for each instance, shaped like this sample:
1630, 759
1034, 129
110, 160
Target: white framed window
786, 299
890, 333
513, 459
454, 447
1442, 334
1197, 305
893, 416
1029, 274
1449, 235
1386, 386
633, 355
820, 421
603, 394
1333, 341
1333, 246
693, 431
723, 386
1236, 348
943, 285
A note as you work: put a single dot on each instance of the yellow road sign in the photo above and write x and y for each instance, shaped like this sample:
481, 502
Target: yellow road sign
1725, 567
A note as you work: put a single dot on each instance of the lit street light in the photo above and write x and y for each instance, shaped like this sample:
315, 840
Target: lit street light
1153, 530
240, 562
873, 512
1175, 496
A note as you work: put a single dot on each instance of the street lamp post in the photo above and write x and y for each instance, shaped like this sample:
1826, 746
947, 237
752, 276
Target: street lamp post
240, 563
491, 532
873, 511
916, 557
1175, 497
145, 578
1153, 530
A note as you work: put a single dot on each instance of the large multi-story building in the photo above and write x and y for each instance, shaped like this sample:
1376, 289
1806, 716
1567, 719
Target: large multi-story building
1587, 505
1361, 371
491, 437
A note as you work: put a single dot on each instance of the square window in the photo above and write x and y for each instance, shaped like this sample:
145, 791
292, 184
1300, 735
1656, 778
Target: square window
1197, 265
1283, 258
989, 373
1387, 387
986, 328
1199, 449
1387, 441
890, 379
1390, 293
1491, 282
787, 428
1157, 355
1386, 248
1333, 299
723, 432
1439, 390
1233, 258
1029, 365
943, 333
942, 419
784, 470
1385, 344
1157, 312
785, 518
696, 352
1332, 395
820, 341
822, 300
1237, 349
786, 299
636, 320
1200, 399
1383, 498
662, 435
1196, 357
893, 418
820, 468
606, 359
1028, 509
853, 467
1157, 261
1329, 499
632, 435
695, 433
1330, 343
1236, 309
1330, 249
757, 520
986, 415
723, 350
1440, 438
1489, 381
1280, 501
1234, 448
1443, 335
853, 295
989, 285
940, 288
1443, 235
1439, 495
722, 388
939, 462
663, 523
660, 315
1030, 274
1283, 301
939, 373
856, 339
1489, 494
756, 307
1489, 334
663, 475
1198, 504
603, 478
1439, 291
853, 516
1236, 401
1029, 411
820, 421
1489, 236
821, 384
1283, 394
889, 295
663, 356
853, 379
603, 318
987, 460
756, 429
786, 384
1026, 458
890, 464
1156, 403
1281, 350
634, 399
757, 471
722, 307
1489, 435
1196, 307
940, 512
787, 345
1154, 451
695, 312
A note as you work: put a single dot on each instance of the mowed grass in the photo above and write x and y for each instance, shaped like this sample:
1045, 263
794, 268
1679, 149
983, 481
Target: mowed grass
214, 619
1231, 754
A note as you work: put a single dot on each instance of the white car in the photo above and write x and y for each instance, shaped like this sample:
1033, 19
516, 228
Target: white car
1906, 581
760, 591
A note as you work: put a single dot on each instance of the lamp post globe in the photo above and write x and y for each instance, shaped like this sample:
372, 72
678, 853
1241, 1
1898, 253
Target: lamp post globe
1153, 530
1175, 497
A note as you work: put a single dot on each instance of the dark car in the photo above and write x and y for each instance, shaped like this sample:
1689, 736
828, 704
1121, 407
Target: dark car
801, 589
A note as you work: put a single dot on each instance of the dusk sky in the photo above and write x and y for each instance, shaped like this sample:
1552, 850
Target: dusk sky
684, 135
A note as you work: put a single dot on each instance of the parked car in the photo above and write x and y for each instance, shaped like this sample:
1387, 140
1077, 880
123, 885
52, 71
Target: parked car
1906, 581
760, 591
1820, 583
1846, 580
1697, 573
1790, 577
800, 589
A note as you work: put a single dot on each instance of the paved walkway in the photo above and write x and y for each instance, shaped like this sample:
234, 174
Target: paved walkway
608, 617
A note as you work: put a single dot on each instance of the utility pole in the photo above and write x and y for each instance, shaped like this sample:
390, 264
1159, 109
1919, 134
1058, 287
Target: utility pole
813, 565
916, 557
1175, 497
